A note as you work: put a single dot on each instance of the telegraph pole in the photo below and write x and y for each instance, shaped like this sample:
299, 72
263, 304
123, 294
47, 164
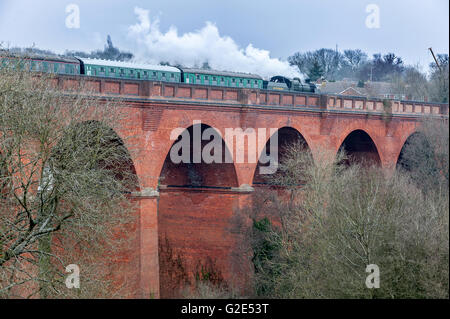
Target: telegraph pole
435, 60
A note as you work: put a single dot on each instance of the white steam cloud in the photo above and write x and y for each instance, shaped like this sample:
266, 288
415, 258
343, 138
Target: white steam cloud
192, 49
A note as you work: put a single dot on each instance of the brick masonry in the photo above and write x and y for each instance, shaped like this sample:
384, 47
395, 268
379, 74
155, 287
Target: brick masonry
196, 221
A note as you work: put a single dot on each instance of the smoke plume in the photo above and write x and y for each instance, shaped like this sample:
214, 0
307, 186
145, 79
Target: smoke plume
194, 49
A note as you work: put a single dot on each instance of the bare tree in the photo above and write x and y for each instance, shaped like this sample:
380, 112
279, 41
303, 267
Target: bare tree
355, 58
439, 79
327, 60
318, 242
412, 83
65, 180
425, 156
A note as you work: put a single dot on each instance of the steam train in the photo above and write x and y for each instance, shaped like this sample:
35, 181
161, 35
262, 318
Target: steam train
136, 71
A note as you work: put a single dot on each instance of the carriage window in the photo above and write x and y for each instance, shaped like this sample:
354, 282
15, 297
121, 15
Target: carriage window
112, 70
206, 77
154, 73
102, 69
198, 77
172, 75
234, 80
214, 78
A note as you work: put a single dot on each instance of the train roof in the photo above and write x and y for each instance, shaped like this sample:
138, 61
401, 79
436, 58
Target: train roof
130, 65
221, 73
37, 56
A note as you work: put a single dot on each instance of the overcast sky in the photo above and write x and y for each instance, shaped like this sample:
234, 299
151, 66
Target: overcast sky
245, 32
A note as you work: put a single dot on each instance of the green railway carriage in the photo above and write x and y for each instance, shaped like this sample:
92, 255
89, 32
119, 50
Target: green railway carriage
148, 72
127, 70
219, 78
52, 66
47, 64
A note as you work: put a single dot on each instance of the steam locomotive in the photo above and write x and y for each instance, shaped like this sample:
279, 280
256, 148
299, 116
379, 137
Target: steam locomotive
136, 71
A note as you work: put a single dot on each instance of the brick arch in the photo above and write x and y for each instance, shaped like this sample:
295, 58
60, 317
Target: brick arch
300, 130
130, 161
350, 128
403, 139
230, 168
119, 135
158, 152
413, 134
124, 129
305, 127
362, 132
294, 133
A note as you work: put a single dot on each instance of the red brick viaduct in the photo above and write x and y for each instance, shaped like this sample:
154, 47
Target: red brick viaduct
195, 219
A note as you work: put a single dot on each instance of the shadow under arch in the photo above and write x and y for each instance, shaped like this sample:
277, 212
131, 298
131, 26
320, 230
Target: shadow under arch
116, 156
287, 136
360, 148
194, 211
200, 174
416, 150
